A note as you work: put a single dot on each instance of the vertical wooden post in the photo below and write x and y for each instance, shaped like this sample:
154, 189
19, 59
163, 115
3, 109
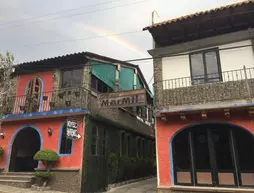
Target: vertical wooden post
118, 68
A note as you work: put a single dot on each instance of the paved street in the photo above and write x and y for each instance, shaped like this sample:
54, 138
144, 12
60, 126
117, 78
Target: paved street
146, 186
9, 189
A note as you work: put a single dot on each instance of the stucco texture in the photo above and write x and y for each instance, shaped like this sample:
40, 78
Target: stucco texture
165, 131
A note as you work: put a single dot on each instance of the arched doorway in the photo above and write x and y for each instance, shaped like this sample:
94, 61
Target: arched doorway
214, 155
26, 143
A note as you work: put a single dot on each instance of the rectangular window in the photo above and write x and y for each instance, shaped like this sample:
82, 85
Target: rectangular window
205, 67
72, 78
95, 141
99, 85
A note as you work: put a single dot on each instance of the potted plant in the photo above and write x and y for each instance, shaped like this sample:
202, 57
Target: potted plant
61, 94
77, 93
45, 98
52, 104
48, 159
68, 103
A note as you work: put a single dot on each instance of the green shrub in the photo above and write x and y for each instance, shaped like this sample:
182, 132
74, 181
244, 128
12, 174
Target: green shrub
1, 151
113, 164
124, 168
44, 174
48, 158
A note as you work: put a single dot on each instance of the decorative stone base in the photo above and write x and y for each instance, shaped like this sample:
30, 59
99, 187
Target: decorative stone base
110, 186
40, 188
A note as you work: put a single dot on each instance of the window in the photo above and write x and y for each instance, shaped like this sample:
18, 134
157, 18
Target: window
122, 144
104, 142
66, 143
100, 86
128, 147
95, 141
72, 78
139, 147
205, 67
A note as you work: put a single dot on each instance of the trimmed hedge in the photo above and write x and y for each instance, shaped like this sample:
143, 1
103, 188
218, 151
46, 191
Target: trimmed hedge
48, 158
44, 174
126, 168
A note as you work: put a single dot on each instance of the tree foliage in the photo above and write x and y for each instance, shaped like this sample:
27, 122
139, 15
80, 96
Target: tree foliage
6, 81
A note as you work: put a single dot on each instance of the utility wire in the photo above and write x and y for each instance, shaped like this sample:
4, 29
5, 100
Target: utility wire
173, 55
50, 14
73, 15
184, 54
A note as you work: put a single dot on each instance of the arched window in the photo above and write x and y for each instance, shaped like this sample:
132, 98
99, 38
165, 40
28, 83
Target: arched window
65, 143
33, 95
214, 155
122, 144
95, 141
128, 145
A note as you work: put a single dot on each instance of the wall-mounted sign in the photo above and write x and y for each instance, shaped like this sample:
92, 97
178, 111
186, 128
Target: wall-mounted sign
122, 99
71, 130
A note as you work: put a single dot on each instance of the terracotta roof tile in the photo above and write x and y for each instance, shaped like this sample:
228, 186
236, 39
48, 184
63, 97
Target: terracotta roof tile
175, 20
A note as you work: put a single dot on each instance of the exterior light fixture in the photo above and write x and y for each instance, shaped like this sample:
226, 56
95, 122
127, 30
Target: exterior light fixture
2, 135
49, 132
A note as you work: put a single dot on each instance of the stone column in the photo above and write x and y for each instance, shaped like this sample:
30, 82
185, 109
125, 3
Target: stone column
158, 84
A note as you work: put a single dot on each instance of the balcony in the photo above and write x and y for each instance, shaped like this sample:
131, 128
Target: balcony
75, 98
230, 88
66, 102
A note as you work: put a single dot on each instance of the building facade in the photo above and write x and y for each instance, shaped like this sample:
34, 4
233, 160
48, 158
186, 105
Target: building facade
204, 89
50, 94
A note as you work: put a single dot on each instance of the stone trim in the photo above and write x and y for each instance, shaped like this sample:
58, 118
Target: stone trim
60, 169
203, 43
158, 84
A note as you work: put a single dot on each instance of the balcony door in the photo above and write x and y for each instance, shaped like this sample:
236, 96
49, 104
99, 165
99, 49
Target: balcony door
33, 95
205, 66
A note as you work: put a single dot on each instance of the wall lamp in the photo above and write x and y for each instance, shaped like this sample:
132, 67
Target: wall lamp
49, 132
2, 135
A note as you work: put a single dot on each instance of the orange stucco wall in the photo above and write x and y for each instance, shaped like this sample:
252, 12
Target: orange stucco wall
165, 131
48, 142
46, 77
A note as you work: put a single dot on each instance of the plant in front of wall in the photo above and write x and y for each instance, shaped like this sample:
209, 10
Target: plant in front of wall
48, 158
113, 164
1, 152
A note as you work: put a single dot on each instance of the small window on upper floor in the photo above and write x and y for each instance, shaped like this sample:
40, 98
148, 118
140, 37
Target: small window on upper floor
99, 85
72, 78
205, 66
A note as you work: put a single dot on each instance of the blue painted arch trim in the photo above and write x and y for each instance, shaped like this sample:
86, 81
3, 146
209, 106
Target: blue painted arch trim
187, 127
14, 137
60, 140
42, 90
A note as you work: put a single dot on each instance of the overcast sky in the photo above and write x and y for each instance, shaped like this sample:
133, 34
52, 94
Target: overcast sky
78, 25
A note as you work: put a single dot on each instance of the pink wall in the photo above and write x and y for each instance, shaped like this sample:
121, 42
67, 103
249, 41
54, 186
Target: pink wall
48, 142
165, 131
46, 77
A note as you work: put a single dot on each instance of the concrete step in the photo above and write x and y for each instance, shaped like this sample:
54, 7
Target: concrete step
18, 173
16, 177
16, 183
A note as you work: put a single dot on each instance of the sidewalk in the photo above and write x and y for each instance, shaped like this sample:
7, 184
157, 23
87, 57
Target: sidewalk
10, 189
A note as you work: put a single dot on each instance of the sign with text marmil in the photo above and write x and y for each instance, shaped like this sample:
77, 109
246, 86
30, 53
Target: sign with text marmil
130, 98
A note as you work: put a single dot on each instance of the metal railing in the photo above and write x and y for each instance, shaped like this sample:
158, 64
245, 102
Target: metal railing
227, 85
46, 101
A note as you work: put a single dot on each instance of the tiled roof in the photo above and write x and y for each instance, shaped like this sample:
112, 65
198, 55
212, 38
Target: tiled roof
175, 20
